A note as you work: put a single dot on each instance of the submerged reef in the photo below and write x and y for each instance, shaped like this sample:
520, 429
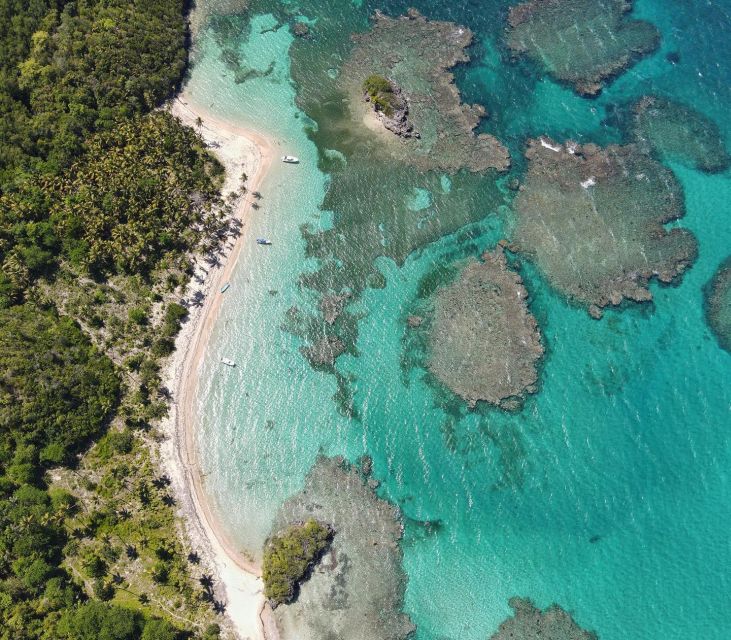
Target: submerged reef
415, 55
582, 43
718, 304
484, 344
593, 220
530, 623
357, 589
678, 133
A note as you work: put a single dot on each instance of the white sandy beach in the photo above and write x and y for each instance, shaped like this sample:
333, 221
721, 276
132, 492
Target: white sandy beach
239, 150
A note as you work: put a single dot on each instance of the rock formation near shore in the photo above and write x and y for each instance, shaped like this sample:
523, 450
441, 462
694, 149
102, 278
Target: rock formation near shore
718, 304
582, 43
593, 219
484, 344
416, 54
530, 623
678, 133
357, 589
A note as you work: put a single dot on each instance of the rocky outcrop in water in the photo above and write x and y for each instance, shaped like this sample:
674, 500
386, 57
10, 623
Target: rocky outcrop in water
530, 623
678, 133
416, 55
356, 591
718, 304
395, 115
583, 43
484, 344
593, 219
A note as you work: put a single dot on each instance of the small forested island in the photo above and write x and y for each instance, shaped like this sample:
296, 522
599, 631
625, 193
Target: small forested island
718, 304
357, 589
290, 555
389, 104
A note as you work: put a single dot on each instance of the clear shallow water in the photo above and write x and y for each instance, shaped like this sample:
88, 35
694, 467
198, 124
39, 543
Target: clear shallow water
629, 437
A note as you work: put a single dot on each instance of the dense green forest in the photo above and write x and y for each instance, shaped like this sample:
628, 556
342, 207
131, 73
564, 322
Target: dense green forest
103, 199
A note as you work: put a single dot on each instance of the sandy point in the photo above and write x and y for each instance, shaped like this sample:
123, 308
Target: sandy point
240, 151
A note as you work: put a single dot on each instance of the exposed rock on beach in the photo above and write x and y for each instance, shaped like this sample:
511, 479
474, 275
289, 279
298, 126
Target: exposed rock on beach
678, 133
583, 43
356, 591
484, 343
416, 55
718, 304
593, 220
530, 623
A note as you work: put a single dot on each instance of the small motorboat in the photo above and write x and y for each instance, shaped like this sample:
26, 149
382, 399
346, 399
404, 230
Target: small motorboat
290, 159
263, 241
225, 287
228, 362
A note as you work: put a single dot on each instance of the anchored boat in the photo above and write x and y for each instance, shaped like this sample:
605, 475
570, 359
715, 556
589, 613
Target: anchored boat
263, 241
225, 287
290, 159
228, 362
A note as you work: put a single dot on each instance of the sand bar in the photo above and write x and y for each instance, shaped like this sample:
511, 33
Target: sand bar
239, 150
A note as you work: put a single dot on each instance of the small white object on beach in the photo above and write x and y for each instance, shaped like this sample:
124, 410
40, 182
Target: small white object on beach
550, 146
589, 182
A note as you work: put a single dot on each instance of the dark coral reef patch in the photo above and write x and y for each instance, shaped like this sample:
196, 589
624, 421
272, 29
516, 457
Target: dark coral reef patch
593, 219
484, 344
679, 133
416, 55
718, 304
582, 43
358, 588
530, 623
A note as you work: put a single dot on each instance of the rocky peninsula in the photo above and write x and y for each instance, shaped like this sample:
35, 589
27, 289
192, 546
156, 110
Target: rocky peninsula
582, 43
356, 591
484, 343
593, 219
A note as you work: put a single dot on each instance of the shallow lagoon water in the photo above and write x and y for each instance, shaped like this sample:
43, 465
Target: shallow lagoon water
608, 493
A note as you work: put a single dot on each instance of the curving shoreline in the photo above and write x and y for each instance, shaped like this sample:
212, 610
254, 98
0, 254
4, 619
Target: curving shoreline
238, 150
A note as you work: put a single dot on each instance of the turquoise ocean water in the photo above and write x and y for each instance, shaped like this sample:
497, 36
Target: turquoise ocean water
609, 492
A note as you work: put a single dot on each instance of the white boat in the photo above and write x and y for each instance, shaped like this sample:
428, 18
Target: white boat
263, 241
290, 159
228, 362
225, 287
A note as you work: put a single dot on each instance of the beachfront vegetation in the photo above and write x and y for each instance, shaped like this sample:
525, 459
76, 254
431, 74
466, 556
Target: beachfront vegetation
103, 200
289, 557
380, 91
